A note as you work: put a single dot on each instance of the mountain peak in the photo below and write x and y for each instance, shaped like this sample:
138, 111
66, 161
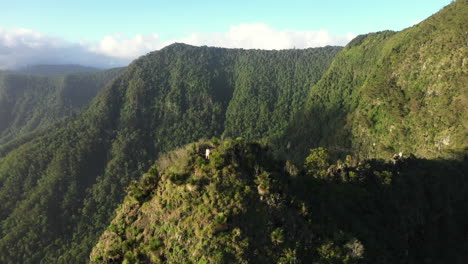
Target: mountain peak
178, 45
241, 205
232, 207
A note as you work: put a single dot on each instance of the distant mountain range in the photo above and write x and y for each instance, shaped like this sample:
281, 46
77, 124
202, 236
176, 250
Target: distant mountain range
56, 69
32, 102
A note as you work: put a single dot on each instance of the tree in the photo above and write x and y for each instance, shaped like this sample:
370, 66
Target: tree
317, 162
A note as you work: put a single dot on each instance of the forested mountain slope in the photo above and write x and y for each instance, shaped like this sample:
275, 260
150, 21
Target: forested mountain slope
388, 92
29, 102
384, 93
59, 191
244, 206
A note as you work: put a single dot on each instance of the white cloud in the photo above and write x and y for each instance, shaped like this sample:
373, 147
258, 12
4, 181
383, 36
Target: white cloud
20, 47
117, 45
262, 36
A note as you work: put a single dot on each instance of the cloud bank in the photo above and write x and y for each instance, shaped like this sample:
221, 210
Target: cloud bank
262, 36
20, 47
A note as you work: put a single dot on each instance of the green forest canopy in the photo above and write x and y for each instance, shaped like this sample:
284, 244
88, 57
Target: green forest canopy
59, 190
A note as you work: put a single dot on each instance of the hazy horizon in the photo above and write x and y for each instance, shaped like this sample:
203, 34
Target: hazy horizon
108, 34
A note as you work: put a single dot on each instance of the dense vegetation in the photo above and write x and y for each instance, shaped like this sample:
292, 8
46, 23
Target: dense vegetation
30, 102
384, 93
58, 191
388, 92
243, 206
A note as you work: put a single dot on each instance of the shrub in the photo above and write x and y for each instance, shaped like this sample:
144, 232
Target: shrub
277, 236
156, 244
129, 257
221, 218
317, 162
216, 160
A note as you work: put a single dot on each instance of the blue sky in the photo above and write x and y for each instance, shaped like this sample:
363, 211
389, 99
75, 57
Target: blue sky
85, 19
118, 27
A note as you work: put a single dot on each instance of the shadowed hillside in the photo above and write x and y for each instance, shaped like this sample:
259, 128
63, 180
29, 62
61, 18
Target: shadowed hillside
243, 206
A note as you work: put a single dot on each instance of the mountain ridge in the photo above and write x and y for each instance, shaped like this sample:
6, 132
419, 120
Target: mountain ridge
241, 205
56, 69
